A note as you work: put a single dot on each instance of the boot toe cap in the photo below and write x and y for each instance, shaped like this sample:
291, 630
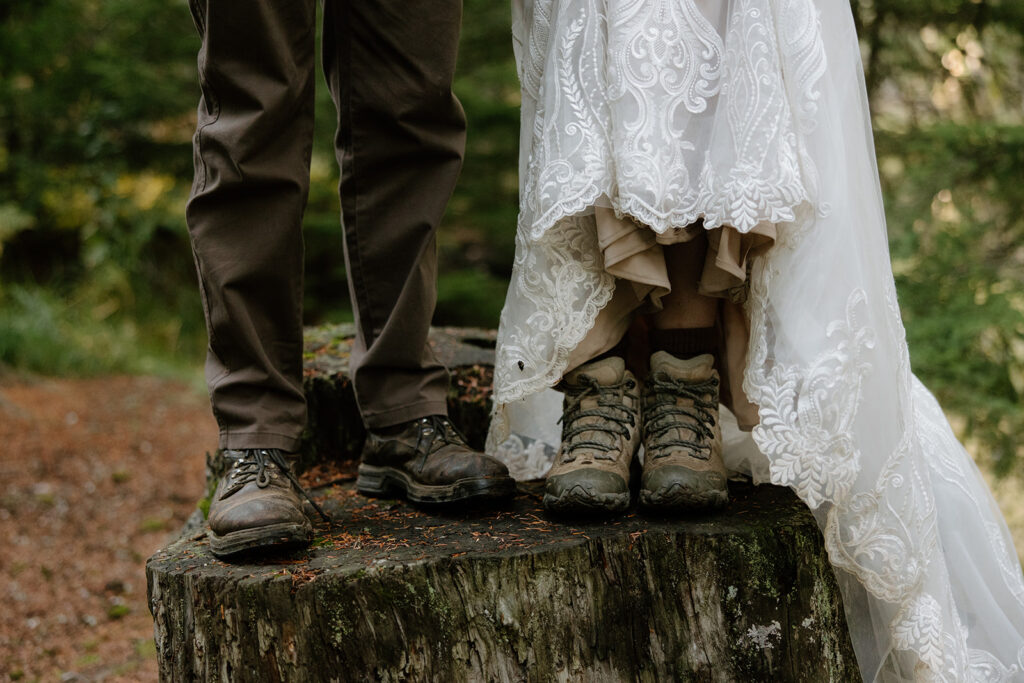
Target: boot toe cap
675, 486
462, 464
586, 480
586, 490
254, 514
490, 468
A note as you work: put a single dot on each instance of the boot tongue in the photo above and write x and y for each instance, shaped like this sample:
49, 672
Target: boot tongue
692, 369
606, 371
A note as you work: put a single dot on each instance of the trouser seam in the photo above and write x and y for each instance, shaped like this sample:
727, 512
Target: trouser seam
209, 95
362, 302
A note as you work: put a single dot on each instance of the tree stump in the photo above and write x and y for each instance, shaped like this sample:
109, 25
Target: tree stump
394, 593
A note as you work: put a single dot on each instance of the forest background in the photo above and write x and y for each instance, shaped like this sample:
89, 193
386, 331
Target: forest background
97, 109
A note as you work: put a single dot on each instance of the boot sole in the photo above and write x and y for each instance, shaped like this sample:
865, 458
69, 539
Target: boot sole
383, 482
679, 497
289, 535
577, 500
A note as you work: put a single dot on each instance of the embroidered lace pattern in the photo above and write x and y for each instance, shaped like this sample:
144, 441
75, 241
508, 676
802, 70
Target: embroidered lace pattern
881, 529
618, 99
734, 112
628, 103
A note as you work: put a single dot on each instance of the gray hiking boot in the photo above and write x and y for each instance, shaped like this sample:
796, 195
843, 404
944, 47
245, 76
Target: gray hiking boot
600, 435
257, 505
683, 467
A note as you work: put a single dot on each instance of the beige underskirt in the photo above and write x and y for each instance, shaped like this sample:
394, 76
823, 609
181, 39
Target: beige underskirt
634, 254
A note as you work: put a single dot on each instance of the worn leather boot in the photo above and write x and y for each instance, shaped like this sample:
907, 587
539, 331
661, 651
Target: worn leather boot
427, 461
600, 436
683, 467
257, 505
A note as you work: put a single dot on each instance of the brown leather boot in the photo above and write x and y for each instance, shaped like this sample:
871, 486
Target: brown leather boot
257, 505
683, 467
600, 435
428, 461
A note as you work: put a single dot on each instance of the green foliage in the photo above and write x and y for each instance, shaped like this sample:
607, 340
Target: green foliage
478, 240
482, 215
957, 246
466, 296
43, 332
946, 78
95, 127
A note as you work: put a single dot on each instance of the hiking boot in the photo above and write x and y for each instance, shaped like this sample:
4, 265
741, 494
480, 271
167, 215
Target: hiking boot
257, 505
427, 461
683, 467
600, 435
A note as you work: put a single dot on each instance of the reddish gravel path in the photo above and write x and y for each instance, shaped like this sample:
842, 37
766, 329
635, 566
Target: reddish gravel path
95, 475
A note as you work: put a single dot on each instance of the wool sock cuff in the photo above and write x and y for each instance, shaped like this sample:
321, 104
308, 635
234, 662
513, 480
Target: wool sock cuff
687, 342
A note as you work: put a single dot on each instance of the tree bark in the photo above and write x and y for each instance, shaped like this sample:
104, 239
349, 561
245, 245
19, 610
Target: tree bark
397, 593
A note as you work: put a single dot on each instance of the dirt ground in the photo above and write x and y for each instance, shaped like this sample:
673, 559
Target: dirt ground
95, 475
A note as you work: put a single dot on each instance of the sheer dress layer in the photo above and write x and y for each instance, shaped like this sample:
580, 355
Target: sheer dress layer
644, 120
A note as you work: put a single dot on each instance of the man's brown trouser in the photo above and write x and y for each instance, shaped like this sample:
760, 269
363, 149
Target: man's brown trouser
400, 138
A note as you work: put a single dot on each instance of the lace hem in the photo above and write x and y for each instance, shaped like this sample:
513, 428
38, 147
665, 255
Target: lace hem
609, 118
571, 262
744, 204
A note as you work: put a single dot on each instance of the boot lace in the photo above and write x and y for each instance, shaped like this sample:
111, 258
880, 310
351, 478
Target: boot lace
664, 414
616, 417
252, 464
436, 431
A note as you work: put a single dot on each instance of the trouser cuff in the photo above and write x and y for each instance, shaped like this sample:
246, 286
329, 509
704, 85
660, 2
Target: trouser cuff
390, 418
241, 440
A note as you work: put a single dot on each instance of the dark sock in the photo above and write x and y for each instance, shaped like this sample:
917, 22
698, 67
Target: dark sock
685, 343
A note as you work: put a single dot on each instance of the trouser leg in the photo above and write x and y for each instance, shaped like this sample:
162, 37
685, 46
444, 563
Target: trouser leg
400, 139
252, 150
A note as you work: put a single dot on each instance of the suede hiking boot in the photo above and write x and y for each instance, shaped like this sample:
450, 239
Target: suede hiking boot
257, 505
683, 467
427, 461
600, 435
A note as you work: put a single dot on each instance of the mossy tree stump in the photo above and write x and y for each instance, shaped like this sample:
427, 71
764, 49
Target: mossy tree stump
397, 593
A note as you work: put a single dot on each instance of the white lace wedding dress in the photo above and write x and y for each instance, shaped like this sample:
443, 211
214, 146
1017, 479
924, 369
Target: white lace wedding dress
748, 113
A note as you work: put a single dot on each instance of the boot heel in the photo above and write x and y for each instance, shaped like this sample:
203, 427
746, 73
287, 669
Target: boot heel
373, 483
